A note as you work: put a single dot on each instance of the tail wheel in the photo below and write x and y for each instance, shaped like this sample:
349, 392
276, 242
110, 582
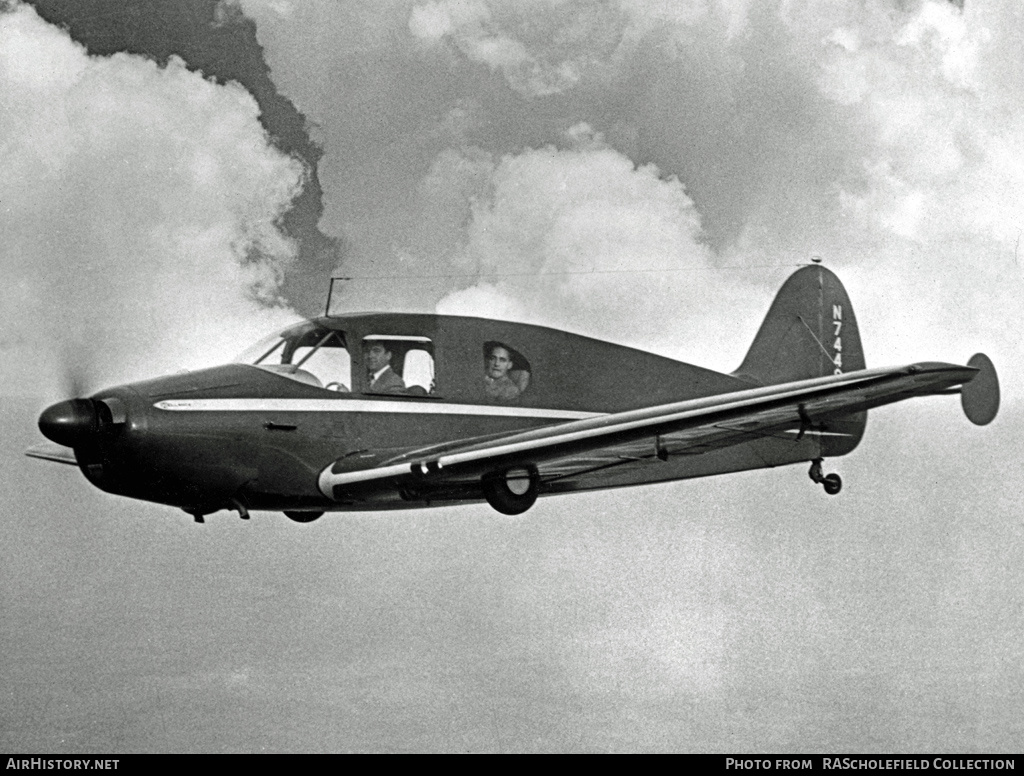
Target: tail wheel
303, 517
511, 491
832, 484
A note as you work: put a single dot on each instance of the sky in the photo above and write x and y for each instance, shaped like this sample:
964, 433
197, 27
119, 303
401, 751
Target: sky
638, 170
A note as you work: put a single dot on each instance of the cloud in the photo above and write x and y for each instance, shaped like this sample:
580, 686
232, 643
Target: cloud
139, 210
931, 191
541, 48
582, 239
659, 199
882, 138
432, 21
483, 300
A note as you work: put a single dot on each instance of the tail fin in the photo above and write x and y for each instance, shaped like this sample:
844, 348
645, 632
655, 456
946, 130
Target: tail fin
810, 331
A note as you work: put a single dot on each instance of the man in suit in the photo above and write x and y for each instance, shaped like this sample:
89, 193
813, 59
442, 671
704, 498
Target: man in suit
380, 377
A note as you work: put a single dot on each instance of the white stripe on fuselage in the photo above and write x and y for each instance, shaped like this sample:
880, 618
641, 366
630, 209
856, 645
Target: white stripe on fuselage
366, 405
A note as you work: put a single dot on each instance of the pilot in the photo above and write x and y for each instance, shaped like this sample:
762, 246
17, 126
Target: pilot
381, 378
498, 383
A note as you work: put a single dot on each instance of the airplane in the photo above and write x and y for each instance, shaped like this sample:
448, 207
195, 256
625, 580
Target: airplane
380, 411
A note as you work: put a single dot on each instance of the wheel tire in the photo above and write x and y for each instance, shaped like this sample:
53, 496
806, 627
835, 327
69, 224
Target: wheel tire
832, 484
303, 517
511, 491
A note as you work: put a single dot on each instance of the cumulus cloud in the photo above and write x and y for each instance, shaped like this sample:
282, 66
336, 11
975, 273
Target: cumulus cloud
139, 209
581, 238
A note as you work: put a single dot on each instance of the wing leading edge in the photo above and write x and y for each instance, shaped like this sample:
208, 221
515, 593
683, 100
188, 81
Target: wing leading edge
687, 427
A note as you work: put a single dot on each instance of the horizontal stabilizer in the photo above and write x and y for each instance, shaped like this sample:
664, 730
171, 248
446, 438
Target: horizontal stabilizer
50, 451
980, 396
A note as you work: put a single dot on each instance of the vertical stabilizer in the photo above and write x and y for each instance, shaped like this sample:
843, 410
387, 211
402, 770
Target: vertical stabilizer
810, 331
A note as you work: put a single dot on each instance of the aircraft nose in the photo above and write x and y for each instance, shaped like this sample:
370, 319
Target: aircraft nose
70, 423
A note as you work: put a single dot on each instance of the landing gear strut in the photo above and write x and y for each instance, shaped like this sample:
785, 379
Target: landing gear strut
832, 483
199, 513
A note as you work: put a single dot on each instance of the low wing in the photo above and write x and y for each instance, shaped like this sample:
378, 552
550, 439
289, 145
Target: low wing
687, 427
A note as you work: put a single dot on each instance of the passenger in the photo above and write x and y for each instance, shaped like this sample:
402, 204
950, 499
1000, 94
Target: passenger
381, 378
498, 384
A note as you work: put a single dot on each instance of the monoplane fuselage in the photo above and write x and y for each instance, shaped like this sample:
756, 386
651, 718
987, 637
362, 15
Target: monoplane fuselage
382, 411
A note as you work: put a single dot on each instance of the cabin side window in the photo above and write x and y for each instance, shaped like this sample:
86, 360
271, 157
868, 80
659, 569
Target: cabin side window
507, 372
307, 353
398, 365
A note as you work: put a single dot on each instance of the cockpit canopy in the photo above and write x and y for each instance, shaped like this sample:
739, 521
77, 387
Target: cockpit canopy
395, 355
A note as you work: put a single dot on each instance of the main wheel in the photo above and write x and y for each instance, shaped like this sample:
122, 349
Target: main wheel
832, 483
511, 491
303, 517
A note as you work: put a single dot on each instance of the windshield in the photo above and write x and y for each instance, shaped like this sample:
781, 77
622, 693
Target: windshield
308, 352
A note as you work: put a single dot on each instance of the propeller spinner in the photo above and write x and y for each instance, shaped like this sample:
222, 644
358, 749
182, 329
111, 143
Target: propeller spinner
70, 423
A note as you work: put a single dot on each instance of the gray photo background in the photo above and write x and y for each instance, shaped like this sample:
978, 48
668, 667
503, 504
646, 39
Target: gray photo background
179, 178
